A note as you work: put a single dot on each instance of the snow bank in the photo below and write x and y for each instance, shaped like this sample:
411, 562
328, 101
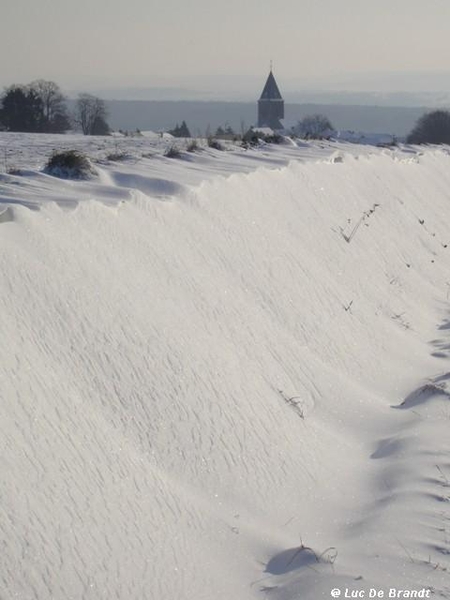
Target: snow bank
198, 393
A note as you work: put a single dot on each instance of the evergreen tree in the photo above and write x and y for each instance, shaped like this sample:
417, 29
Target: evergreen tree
37, 107
22, 109
180, 130
184, 131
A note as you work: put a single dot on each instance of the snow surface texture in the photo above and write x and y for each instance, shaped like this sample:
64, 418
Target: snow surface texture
219, 387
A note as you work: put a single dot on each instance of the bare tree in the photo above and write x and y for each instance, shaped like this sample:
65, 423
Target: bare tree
54, 108
314, 127
431, 128
91, 115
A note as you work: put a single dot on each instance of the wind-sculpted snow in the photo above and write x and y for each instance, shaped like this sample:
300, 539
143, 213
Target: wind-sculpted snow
197, 393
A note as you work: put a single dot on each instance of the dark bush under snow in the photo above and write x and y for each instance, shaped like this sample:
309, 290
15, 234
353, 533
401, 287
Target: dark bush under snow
70, 164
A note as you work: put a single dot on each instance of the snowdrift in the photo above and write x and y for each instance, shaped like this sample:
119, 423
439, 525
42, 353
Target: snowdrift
238, 389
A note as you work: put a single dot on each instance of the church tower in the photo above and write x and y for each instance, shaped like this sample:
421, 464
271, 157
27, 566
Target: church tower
270, 105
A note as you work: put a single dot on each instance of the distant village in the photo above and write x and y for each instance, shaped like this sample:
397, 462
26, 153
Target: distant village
41, 107
271, 125
271, 121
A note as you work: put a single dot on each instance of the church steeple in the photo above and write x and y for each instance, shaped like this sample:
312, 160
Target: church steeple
271, 91
270, 105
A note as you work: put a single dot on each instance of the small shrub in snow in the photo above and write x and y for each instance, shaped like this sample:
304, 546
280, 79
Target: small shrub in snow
14, 171
172, 152
276, 138
117, 156
215, 144
192, 146
70, 164
255, 136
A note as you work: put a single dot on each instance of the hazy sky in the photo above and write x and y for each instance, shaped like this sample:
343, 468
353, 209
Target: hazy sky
215, 44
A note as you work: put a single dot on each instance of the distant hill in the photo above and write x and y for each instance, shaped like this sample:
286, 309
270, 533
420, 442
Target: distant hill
199, 115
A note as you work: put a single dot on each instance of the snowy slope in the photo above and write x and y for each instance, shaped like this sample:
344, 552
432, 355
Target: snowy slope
225, 376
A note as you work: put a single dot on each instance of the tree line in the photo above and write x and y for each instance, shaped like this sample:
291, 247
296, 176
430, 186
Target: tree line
431, 128
41, 107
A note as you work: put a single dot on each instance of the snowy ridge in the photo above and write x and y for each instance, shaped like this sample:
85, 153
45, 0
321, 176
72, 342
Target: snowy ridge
199, 381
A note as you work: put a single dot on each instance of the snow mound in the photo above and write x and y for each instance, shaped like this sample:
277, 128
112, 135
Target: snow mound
70, 164
6, 215
427, 392
192, 387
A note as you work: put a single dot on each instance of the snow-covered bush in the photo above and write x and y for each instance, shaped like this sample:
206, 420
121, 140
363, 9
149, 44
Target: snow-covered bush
214, 143
192, 146
118, 156
275, 138
70, 164
314, 127
172, 152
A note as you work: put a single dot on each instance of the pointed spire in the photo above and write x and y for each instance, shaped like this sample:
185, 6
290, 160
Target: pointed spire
271, 91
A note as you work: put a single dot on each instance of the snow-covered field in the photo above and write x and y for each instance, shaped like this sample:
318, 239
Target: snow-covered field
224, 376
